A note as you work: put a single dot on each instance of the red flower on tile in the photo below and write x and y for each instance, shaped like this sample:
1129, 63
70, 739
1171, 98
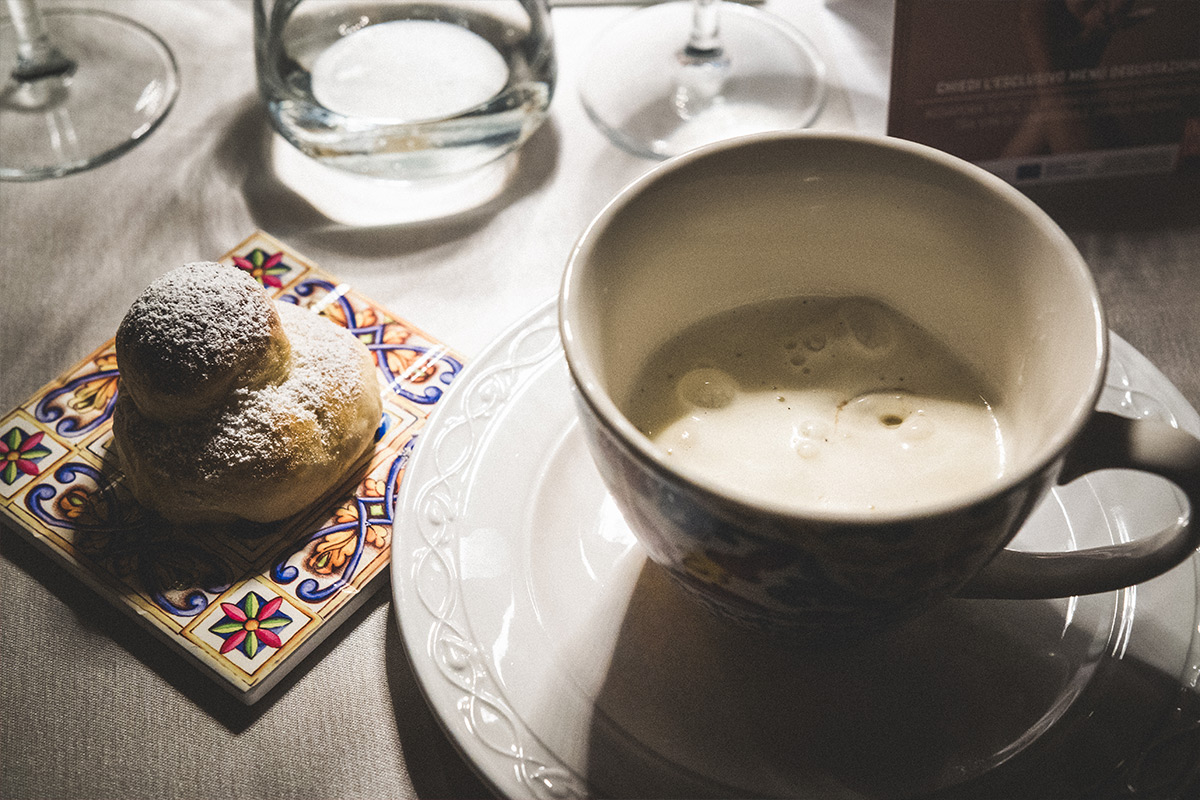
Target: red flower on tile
250, 623
19, 454
263, 267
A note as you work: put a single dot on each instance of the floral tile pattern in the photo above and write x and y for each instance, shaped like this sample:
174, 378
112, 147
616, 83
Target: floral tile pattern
248, 601
27, 453
253, 628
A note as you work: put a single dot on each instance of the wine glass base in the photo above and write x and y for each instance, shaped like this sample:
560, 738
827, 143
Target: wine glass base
652, 99
124, 82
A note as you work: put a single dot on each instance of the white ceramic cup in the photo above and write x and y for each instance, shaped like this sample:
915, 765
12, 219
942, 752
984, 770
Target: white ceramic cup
957, 250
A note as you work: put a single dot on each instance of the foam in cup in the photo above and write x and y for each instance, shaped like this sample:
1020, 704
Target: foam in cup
817, 402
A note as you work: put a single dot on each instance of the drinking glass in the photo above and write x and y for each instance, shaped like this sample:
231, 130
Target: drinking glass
671, 77
85, 86
406, 90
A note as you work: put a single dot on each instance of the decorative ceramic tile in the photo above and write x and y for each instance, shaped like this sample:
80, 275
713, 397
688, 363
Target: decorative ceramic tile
247, 602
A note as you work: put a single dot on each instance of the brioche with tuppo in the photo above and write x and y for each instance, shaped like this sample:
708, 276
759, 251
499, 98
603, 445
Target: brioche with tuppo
234, 406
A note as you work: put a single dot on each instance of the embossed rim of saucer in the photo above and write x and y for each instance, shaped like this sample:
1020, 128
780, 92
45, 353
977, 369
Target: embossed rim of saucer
462, 681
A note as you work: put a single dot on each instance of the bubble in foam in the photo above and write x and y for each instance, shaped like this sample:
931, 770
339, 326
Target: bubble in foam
809, 436
887, 409
676, 441
807, 448
707, 388
814, 429
916, 427
868, 326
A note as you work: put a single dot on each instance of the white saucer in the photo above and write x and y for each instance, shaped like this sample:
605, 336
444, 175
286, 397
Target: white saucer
563, 664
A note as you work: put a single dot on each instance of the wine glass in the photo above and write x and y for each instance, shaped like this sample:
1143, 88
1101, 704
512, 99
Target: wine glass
84, 86
677, 75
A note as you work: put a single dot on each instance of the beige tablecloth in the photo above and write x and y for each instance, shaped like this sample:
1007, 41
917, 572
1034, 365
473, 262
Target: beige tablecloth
90, 705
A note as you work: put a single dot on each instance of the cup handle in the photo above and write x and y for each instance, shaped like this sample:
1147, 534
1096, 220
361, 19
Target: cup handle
1108, 441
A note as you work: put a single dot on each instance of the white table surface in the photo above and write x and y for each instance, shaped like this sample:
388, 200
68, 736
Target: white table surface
90, 705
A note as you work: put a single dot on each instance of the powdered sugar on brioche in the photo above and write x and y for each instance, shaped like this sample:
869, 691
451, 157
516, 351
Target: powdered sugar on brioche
234, 406
271, 428
197, 321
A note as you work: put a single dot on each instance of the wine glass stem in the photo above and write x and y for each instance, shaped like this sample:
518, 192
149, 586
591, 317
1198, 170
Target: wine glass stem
703, 65
705, 40
37, 57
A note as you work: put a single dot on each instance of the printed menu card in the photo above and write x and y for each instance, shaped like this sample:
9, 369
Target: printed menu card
1050, 90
